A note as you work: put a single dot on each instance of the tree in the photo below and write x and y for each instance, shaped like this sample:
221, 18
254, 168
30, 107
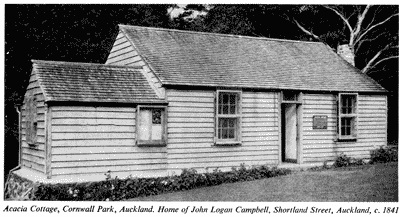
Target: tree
367, 27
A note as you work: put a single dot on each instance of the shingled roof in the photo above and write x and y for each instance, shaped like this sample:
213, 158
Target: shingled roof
87, 82
208, 59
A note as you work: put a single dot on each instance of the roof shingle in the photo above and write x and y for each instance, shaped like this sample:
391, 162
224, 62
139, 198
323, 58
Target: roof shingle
87, 82
208, 59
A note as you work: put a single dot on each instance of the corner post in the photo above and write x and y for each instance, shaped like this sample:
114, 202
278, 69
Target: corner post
48, 141
300, 129
279, 104
18, 108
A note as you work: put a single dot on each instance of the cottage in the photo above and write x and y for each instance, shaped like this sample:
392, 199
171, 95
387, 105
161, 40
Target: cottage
166, 100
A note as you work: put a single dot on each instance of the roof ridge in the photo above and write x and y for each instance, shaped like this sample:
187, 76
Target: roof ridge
82, 64
220, 34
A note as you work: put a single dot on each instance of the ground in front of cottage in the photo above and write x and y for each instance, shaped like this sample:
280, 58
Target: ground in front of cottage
369, 183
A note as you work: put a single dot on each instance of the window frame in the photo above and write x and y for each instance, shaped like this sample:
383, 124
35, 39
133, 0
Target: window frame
354, 114
31, 120
297, 94
238, 116
157, 143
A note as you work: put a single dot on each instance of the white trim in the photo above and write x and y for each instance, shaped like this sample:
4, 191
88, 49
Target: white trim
298, 96
300, 129
163, 141
354, 115
237, 116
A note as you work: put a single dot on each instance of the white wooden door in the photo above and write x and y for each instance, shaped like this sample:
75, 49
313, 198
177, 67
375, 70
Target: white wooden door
291, 132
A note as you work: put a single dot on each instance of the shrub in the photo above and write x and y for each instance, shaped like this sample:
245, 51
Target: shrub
384, 154
121, 189
342, 161
18, 188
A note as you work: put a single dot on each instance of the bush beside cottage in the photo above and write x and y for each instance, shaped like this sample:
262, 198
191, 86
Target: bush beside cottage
115, 189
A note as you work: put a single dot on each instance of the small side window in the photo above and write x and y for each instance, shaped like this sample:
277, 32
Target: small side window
151, 126
347, 116
31, 120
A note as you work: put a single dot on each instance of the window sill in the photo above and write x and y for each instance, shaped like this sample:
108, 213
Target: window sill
151, 144
346, 140
228, 143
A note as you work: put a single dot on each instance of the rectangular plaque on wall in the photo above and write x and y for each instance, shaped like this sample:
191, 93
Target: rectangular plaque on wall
320, 122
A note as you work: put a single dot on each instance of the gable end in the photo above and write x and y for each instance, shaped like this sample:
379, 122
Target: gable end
125, 53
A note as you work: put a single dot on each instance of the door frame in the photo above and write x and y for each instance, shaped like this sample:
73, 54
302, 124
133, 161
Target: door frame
281, 132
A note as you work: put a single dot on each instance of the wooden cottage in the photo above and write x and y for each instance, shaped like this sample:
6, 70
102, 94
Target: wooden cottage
167, 100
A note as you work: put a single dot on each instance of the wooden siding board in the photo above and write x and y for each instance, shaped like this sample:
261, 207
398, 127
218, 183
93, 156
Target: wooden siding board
191, 120
191, 140
33, 165
125, 51
134, 155
98, 139
92, 128
104, 169
120, 45
101, 150
200, 148
34, 156
175, 99
101, 109
92, 114
191, 130
93, 135
320, 145
187, 142
238, 159
225, 164
34, 152
94, 142
191, 125
190, 104
196, 145
199, 156
92, 122
108, 163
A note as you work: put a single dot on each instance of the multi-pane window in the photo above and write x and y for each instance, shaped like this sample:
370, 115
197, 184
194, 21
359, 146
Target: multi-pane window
151, 128
228, 116
347, 116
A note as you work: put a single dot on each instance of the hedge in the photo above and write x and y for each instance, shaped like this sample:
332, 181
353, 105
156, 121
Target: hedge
115, 189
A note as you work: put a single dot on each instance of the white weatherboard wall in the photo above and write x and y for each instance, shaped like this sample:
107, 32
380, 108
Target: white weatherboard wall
89, 141
320, 145
124, 53
191, 123
33, 157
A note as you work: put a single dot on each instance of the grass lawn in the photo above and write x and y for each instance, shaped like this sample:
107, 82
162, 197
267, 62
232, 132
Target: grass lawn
369, 183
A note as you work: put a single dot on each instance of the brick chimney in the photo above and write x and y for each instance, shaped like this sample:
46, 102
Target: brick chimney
346, 53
